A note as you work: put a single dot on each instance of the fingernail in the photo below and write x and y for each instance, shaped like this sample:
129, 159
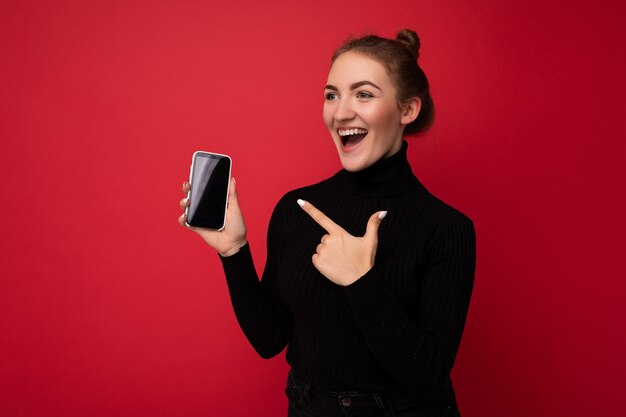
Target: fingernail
301, 203
234, 182
382, 215
186, 200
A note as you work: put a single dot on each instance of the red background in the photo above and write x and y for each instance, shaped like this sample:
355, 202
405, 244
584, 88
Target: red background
108, 307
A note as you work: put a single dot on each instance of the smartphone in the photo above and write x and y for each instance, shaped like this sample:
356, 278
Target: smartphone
208, 196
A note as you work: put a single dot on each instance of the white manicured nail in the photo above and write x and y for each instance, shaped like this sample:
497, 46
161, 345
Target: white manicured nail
382, 215
301, 203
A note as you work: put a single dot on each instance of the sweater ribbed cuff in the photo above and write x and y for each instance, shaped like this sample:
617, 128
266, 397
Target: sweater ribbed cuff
241, 252
374, 304
363, 286
239, 268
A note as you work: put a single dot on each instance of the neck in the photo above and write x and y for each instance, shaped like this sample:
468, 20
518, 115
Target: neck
386, 177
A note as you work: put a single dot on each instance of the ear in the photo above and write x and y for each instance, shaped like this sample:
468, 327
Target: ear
410, 110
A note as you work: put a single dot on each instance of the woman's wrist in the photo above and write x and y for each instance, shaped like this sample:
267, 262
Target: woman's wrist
234, 249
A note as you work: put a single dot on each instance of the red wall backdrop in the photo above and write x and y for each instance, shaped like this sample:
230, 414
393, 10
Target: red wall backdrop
108, 307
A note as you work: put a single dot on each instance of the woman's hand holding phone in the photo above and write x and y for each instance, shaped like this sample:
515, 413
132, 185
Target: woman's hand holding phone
229, 240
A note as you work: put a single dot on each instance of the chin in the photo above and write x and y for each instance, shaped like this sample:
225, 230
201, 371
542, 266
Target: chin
352, 164
354, 161
350, 167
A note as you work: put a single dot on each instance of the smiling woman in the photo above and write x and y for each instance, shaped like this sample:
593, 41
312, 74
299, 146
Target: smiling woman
368, 276
375, 91
362, 113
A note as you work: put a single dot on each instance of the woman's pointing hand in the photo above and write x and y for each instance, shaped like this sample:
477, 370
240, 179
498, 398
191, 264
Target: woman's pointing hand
341, 257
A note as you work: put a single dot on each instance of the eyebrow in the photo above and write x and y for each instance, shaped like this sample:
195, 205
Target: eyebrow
353, 86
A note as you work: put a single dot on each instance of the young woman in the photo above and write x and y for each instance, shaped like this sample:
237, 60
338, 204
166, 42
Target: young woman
368, 275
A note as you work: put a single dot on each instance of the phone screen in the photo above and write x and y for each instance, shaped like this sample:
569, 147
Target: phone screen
210, 178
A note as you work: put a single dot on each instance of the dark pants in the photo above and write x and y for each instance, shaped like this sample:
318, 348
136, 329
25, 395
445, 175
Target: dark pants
307, 400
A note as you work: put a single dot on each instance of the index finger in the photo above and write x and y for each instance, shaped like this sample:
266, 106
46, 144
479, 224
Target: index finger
319, 217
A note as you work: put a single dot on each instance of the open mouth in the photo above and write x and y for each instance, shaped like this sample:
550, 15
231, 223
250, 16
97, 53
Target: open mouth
351, 137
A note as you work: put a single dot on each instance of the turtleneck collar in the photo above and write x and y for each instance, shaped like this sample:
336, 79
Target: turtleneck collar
386, 177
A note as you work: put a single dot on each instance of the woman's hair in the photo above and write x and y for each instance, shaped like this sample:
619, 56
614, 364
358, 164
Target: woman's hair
399, 57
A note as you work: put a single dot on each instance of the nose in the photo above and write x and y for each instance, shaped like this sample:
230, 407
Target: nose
344, 111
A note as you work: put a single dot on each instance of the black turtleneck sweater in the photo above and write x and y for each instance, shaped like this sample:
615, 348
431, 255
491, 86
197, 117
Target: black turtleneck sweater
398, 327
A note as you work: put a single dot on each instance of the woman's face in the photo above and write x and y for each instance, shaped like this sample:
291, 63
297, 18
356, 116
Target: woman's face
361, 111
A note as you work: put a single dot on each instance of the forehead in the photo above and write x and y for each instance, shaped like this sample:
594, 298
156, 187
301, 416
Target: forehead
353, 67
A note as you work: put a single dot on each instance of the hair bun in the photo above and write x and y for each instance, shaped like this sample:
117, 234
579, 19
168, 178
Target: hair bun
410, 40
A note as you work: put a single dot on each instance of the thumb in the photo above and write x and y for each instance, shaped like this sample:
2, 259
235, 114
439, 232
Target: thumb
232, 194
371, 233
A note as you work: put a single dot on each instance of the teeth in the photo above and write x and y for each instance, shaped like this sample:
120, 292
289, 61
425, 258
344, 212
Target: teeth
347, 132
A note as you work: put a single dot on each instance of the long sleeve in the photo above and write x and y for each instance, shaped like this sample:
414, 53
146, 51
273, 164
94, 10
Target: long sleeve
418, 351
262, 315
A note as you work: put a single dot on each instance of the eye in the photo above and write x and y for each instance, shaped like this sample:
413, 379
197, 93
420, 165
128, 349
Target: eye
364, 94
330, 95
